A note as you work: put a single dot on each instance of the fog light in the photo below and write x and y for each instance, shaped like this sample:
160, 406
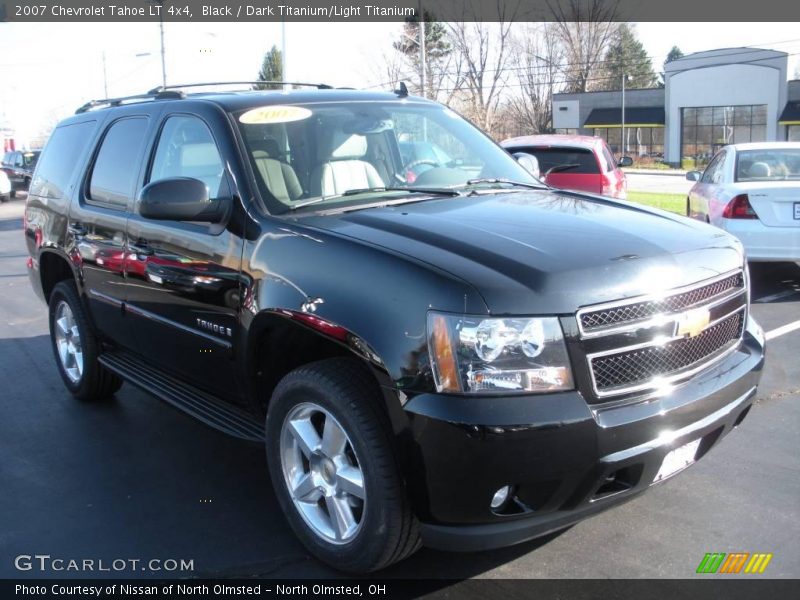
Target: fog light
500, 496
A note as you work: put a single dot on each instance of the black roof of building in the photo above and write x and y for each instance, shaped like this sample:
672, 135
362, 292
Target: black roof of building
790, 114
634, 116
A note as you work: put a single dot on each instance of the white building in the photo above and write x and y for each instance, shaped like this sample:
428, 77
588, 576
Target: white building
710, 99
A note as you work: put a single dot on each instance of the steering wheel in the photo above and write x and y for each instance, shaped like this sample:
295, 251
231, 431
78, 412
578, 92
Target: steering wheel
422, 161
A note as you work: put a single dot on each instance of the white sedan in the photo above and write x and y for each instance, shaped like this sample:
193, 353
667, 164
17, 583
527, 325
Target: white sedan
5, 186
752, 191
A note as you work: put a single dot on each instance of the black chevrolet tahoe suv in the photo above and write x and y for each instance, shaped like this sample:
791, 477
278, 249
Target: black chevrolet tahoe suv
452, 355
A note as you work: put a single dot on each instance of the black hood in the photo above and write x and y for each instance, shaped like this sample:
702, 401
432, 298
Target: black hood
546, 252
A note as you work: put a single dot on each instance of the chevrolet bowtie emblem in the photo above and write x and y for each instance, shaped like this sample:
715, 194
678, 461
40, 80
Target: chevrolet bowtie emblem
693, 322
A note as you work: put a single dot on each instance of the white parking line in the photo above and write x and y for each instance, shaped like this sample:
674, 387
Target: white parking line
782, 330
778, 296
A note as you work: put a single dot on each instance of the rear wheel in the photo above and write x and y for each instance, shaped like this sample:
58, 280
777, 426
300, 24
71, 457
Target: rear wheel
333, 468
75, 347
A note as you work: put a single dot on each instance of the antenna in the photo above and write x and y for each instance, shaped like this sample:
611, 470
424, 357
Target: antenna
402, 90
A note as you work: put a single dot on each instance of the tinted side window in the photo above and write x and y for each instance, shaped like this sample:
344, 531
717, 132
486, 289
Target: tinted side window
186, 148
115, 168
564, 160
60, 157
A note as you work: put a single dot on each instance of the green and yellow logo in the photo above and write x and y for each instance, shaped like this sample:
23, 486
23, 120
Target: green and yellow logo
735, 562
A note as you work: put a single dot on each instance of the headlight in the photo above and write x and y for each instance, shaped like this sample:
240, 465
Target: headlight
474, 354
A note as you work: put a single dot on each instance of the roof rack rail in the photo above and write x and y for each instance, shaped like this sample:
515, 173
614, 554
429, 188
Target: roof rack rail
109, 102
161, 88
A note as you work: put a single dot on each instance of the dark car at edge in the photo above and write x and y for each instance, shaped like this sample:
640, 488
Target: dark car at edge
456, 356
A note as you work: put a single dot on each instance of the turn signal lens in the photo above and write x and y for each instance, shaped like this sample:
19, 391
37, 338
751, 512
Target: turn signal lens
739, 208
445, 371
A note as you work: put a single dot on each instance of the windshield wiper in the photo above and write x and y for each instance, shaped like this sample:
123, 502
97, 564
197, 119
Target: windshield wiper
357, 191
559, 168
533, 186
414, 190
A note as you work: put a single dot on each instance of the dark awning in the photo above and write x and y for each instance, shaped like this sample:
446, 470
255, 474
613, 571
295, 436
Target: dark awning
638, 116
790, 114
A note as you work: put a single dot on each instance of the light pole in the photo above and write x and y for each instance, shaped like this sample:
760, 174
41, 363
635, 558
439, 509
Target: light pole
623, 141
105, 71
550, 86
160, 4
422, 57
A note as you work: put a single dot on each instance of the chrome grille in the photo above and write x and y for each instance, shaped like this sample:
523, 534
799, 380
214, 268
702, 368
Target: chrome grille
620, 315
630, 368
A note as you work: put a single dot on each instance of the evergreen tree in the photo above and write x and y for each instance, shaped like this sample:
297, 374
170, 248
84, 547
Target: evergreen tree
673, 54
626, 56
437, 50
271, 70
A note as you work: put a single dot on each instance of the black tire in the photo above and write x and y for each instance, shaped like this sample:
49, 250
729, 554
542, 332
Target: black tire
389, 531
95, 382
13, 194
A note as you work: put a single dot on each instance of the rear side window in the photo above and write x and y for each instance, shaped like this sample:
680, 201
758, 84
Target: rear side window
563, 160
116, 166
64, 150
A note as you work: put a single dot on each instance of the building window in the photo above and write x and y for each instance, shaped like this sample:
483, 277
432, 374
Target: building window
567, 131
706, 129
644, 144
793, 133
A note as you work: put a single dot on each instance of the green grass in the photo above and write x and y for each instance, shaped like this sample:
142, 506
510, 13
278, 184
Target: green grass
671, 202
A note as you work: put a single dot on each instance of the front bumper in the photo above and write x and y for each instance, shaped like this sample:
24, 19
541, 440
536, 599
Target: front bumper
567, 460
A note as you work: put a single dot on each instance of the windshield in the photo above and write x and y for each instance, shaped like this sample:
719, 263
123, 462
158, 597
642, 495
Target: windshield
768, 165
331, 154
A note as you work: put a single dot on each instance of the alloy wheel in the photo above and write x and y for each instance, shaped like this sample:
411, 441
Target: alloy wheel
322, 473
68, 342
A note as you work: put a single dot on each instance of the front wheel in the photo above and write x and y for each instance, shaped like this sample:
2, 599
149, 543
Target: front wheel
76, 348
333, 468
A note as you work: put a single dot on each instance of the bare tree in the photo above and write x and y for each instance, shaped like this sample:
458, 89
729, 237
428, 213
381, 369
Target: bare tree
483, 52
537, 56
585, 28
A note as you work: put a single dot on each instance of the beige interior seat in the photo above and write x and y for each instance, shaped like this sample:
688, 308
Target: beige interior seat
279, 177
759, 169
342, 167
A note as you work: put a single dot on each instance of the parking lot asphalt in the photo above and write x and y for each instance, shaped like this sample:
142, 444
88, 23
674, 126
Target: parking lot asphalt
133, 478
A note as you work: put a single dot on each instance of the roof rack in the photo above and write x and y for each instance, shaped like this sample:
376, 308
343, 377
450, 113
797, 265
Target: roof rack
162, 88
109, 102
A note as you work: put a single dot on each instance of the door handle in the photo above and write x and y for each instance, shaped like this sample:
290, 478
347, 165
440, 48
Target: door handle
141, 247
76, 229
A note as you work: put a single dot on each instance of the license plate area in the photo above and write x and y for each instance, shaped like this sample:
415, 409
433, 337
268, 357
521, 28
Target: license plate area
677, 460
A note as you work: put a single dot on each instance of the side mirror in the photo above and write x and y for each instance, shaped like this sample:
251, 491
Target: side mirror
528, 162
181, 199
693, 176
625, 161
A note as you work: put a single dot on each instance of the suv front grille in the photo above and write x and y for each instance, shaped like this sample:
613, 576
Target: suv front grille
626, 314
646, 342
634, 367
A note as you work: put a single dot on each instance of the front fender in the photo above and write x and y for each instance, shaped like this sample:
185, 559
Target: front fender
379, 298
